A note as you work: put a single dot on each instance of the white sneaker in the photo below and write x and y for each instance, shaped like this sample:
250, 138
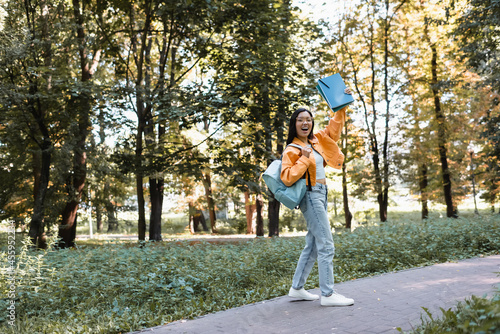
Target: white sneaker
336, 299
302, 294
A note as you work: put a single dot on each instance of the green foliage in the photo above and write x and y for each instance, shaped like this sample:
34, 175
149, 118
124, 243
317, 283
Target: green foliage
291, 220
117, 287
239, 225
478, 35
475, 315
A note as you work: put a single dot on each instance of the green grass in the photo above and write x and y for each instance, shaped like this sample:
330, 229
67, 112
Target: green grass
115, 287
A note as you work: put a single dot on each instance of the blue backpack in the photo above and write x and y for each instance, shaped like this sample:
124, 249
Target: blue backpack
288, 196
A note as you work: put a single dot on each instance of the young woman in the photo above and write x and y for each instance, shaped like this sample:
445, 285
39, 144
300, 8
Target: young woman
318, 150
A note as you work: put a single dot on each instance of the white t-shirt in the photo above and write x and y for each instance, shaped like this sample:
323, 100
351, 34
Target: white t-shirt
320, 169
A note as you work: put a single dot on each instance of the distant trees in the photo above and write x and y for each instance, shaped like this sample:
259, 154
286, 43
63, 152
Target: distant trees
400, 56
440, 89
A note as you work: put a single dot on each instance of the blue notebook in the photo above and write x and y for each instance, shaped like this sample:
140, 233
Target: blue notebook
331, 90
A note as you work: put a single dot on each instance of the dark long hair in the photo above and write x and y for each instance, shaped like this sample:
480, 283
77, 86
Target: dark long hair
292, 128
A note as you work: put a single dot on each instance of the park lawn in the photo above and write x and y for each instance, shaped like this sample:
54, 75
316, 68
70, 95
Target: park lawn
120, 287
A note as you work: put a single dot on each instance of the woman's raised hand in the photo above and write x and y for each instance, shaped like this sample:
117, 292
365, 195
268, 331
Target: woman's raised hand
348, 91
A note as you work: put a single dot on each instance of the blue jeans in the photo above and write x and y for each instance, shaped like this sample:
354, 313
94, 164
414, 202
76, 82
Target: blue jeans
319, 241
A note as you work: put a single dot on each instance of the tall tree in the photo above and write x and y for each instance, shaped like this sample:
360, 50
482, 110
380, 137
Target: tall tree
335, 60
439, 90
353, 150
478, 34
42, 166
415, 160
389, 15
82, 103
371, 72
440, 120
30, 100
491, 152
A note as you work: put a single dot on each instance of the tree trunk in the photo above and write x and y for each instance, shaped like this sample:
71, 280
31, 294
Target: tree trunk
199, 218
382, 208
442, 141
260, 220
156, 195
139, 177
385, 148
156, 182
423, 182
473, 179
207, 183
41, 159
98, 215
373, 135
191, 211
335, 205
273, 210
37, 228
249, 210
141, 113
111, 214
274, 216
76, 182
67, 228
347, 211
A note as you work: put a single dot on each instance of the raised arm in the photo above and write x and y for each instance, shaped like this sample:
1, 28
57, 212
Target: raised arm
334, 128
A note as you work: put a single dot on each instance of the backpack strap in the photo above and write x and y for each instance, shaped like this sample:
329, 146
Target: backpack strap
294, 145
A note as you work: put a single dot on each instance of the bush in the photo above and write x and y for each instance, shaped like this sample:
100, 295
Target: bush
118, 286
474, 315
292, 220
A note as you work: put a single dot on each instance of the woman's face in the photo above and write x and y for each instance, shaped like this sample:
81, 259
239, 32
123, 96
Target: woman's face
303, 125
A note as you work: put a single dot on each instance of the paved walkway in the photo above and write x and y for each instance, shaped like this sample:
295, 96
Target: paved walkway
382, 303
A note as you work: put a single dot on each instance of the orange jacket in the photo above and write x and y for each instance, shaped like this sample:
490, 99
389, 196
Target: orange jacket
294, 164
